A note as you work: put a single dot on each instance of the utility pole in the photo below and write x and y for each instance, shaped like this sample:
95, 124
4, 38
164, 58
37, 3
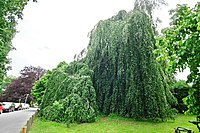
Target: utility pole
26, 98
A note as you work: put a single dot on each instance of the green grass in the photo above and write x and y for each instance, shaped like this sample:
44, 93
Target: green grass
114, 125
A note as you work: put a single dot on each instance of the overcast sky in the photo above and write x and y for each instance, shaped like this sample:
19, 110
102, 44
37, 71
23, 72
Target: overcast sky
55, 30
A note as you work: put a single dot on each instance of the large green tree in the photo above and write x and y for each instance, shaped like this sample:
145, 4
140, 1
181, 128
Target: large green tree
179, 45
127, 78
10, 12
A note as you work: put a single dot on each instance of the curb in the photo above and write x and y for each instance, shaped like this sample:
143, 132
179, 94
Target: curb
28, 124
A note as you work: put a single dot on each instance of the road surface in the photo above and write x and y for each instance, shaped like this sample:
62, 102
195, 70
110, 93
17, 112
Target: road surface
13, 122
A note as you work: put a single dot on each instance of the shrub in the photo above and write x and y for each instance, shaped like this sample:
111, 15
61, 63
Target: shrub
180, 90
69, 96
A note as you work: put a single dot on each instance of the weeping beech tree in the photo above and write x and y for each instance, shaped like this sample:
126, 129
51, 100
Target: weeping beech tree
127, 79
69, 95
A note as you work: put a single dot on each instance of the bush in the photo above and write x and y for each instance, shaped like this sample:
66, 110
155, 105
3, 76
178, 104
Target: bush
53, 113
69, 96
180, 90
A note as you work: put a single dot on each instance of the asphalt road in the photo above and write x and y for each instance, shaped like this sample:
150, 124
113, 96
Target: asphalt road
13, 122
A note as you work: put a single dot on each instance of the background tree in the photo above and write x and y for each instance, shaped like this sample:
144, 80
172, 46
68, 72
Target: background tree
179, 45
10, 12
20, 87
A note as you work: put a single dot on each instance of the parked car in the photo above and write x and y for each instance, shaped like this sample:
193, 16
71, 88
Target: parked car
8, 107
25, 106
1, 108
18, 106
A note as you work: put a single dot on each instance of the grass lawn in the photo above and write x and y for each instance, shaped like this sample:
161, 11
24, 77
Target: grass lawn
113, 124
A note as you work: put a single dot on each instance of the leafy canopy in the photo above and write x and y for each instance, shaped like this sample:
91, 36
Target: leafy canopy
180, 47
179, 44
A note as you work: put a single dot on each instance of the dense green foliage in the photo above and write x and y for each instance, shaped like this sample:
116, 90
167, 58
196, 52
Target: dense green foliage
39, 87
193, 99
10, 12
180, 90
180, 42
127, 79
179, 45
69, 95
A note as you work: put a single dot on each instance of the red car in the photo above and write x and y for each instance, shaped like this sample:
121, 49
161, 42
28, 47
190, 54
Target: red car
1, 108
